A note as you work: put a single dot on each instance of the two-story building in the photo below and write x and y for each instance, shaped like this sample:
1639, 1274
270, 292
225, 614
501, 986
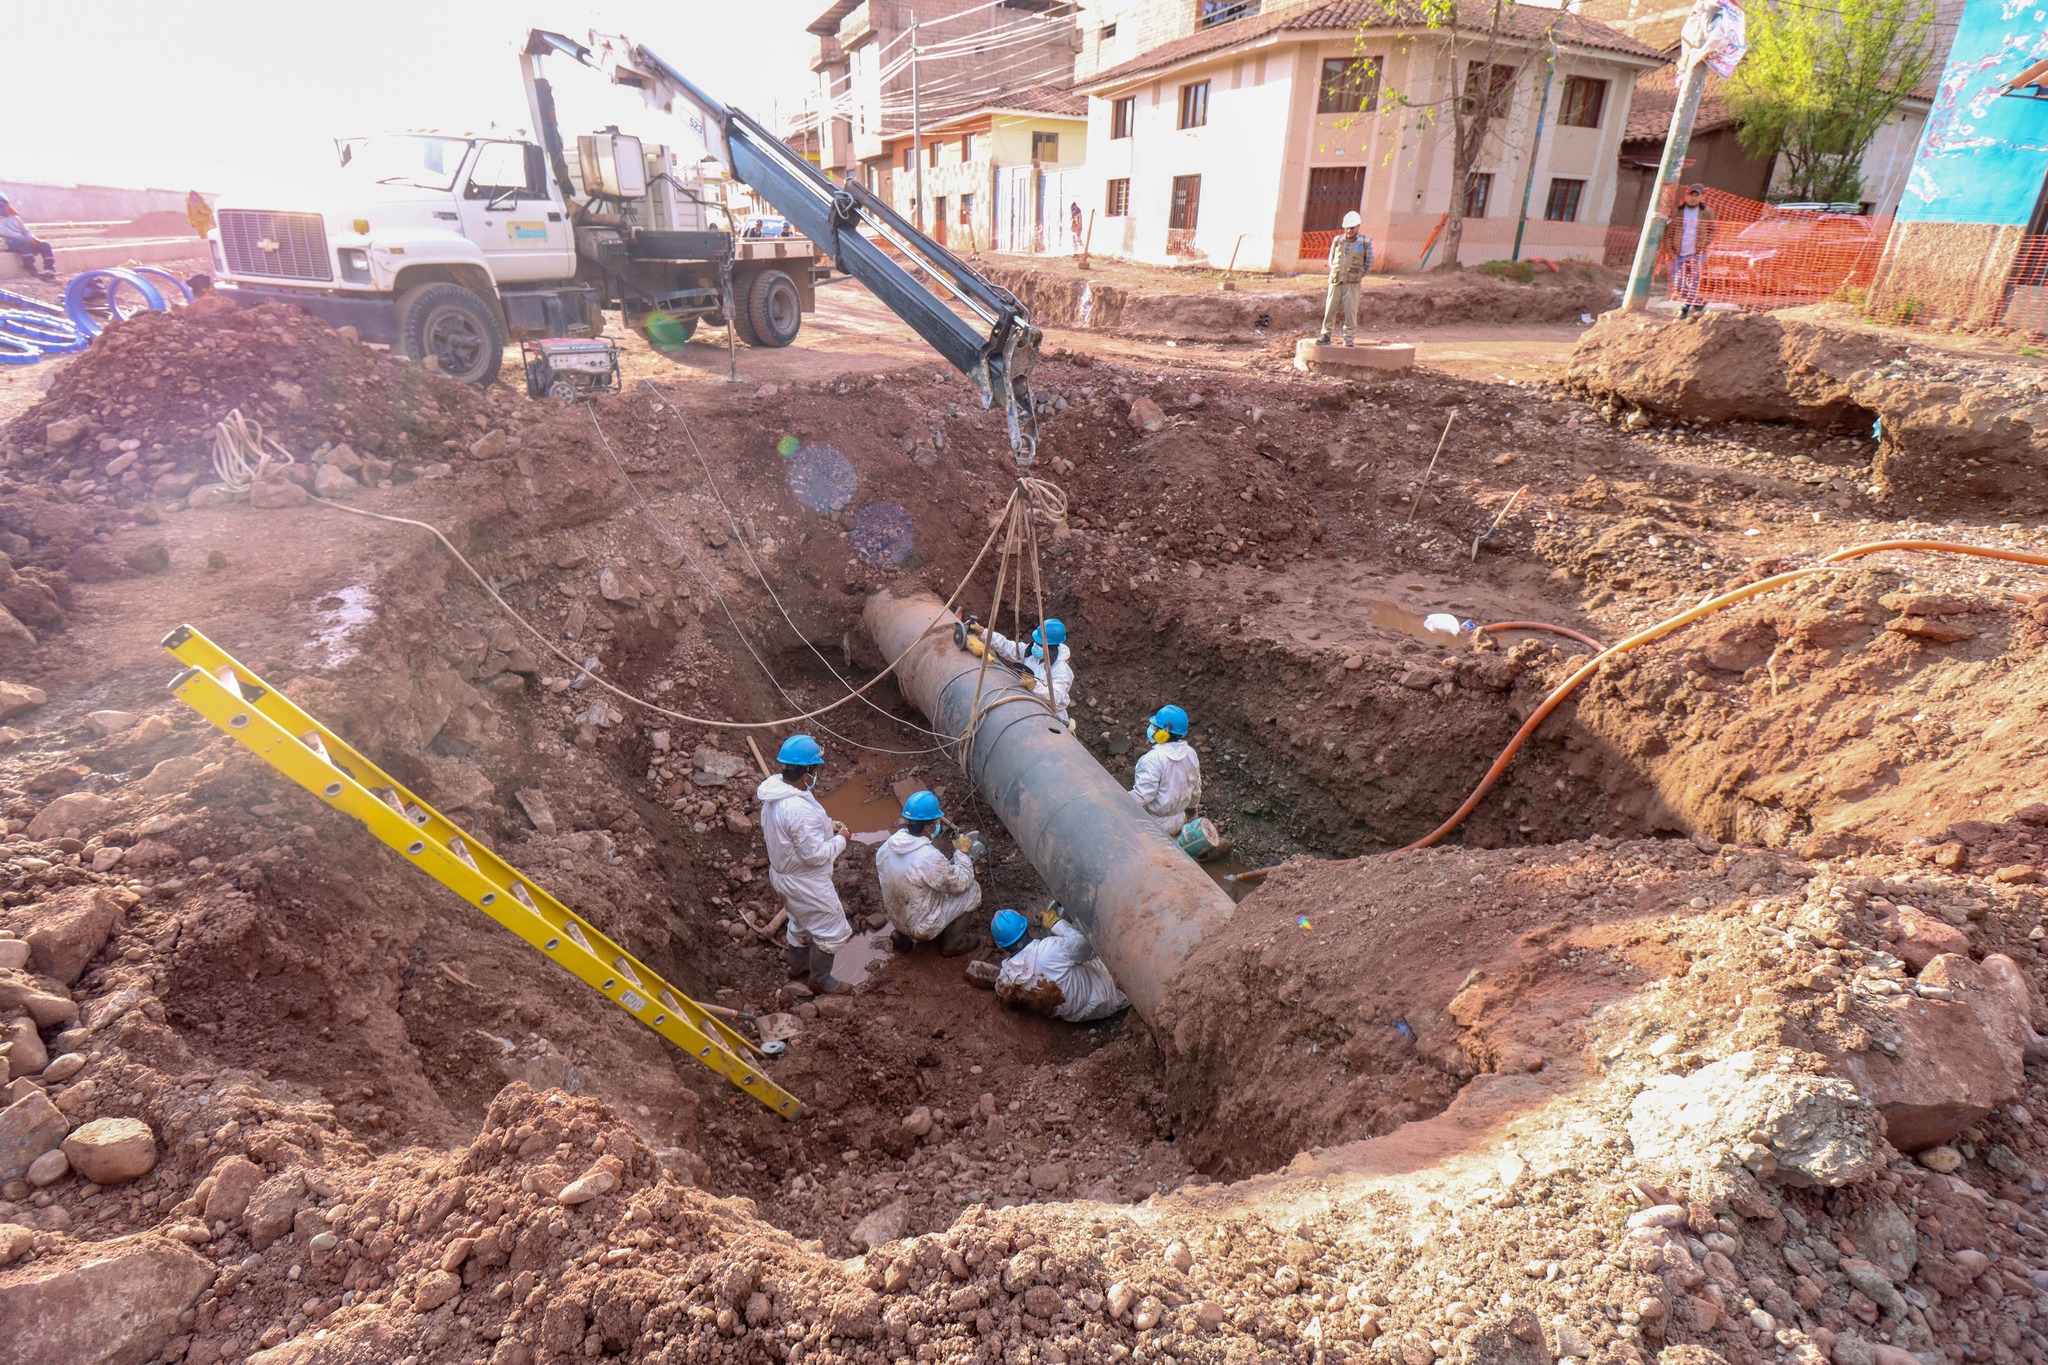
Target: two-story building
1002, 177
1235, 129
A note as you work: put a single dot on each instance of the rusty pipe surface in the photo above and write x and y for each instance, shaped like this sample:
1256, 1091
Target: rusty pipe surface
1143, 903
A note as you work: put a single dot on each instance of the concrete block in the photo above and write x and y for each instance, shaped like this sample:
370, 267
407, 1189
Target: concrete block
1338, 359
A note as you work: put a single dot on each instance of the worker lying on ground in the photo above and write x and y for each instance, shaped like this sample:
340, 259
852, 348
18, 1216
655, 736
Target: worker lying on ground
803, 844
1168, 781
1059, 974
926, 893
1053, 679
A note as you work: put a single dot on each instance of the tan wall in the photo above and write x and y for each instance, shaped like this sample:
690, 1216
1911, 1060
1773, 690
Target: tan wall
1946, 271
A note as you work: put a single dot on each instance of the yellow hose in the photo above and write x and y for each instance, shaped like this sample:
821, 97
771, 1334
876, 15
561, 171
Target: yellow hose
1658, 632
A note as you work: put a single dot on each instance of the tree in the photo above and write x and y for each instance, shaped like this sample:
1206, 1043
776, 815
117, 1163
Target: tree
1819, 82
1486, 58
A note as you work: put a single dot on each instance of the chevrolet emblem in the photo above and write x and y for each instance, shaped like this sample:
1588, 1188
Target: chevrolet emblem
267, 245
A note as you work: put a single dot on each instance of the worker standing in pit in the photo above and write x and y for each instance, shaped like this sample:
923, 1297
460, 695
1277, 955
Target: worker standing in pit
1059, 974
1168, 782
925, 892
1052, 677
803, 845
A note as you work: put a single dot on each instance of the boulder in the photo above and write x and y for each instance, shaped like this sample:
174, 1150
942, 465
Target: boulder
26, 1055
1955, 1060
272, 1207
106, 723
172, 775
112, 1303
274, 493
16, 697
66, 932
1922, 938
28, 1128
1817, 1129
235, 1179
882, 1226
83, 811
112, 1151
20, 991
1147, 415
330, 482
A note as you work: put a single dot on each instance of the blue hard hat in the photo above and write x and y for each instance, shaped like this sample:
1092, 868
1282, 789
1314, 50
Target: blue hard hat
1171, 719
1052, 634
799, 751
1009, 928
922, 806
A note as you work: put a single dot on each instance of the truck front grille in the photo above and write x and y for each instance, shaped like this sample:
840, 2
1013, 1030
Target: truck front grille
279, 246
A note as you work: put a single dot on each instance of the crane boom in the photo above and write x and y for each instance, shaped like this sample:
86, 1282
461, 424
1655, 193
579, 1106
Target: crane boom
981, 328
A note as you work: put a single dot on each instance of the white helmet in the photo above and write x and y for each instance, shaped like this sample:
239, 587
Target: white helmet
1351, 219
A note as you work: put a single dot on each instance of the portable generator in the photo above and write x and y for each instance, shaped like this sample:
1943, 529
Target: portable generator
570, 367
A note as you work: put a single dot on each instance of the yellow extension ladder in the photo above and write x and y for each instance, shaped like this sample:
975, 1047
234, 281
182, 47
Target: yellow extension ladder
243, 706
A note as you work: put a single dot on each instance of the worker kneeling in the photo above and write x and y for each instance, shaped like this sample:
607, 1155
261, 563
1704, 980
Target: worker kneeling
1168, 780
1059, 974
1047, 662
803, 845
925, 892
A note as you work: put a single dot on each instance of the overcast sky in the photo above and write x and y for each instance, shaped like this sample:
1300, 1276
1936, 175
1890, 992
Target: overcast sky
185, 94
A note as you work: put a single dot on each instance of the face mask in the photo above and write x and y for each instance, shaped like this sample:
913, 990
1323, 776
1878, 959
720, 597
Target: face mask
1038, 651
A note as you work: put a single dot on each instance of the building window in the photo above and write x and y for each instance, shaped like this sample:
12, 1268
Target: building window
1187, 203
1584, 101
1194, 104
1122, 114
1501, 86
1349, 86
1333, 191
1562, 205
909, 156
1045, 146
966, 148
966, 210
1108, 32
1117, 202
1213, 12
931, 155
1478, 190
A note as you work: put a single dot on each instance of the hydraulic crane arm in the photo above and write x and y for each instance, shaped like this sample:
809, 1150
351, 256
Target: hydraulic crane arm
979, 327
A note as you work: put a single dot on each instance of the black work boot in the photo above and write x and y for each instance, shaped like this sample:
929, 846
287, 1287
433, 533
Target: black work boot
799, 960
822, 980
956, 938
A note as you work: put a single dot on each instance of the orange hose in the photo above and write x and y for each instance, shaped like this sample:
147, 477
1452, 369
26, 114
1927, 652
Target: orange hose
1565, 631
1658, 632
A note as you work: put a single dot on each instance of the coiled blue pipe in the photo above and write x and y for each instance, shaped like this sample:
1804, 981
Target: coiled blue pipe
74, 297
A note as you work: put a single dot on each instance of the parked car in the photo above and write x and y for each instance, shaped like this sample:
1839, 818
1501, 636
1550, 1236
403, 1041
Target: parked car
1794, 251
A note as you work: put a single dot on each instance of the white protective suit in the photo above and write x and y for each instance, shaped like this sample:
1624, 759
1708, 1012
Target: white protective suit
1168, 784
1057, 686
801, 851
1067, 960
924, 890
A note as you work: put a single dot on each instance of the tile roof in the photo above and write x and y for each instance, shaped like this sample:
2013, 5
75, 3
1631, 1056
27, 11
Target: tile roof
1525, 22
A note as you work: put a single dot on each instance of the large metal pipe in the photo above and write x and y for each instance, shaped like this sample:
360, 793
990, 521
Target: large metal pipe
1143, 903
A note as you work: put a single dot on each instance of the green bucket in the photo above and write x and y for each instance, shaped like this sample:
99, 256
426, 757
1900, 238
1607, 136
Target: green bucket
1198, 837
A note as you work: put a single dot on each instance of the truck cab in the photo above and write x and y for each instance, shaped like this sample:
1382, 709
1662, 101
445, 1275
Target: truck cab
450, 246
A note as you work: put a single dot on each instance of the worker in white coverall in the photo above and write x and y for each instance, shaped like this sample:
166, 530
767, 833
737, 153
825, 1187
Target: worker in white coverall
925, 892
803, 844
1046, 660
1059, 974
1168, 782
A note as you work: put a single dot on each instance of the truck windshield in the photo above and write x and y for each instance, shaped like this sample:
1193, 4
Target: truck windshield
428, 162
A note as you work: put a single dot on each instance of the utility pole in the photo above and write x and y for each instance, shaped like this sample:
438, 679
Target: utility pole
1658, 218
916, 139
1535, 146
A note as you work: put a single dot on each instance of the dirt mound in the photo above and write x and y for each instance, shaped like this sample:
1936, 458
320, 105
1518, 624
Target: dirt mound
1957, 432
134, 415
1250, 314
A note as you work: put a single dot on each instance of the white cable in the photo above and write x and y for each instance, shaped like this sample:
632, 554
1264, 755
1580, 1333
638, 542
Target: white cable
240, 455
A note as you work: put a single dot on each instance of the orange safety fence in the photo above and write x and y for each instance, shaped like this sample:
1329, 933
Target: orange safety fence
1761, 256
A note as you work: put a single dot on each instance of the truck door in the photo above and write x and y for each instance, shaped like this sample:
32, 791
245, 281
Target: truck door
509, 213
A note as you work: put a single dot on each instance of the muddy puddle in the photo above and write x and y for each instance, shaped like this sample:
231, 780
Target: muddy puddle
869, 800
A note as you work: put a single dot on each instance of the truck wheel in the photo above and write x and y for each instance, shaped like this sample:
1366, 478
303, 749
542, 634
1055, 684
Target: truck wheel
774, 309
456, 327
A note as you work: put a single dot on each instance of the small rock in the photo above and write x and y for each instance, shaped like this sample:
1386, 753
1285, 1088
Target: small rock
15, 1240
490, 445
1051, 1175
587, 1187
48, 1169
209, 495
1354, 662
62, 433
919, 1122
270, 494
154, 557
1121, 1297
235, 1179
13, 954
1147, 415
1179, 1257
737, 822
1209, 1314
1945, 1159
63, 1068
112, 1151
107, 723
435, 1289
29, 1127
1148, 1315
17, 697
174, 484
122, 463
329, 482
172, 775
883, 1226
